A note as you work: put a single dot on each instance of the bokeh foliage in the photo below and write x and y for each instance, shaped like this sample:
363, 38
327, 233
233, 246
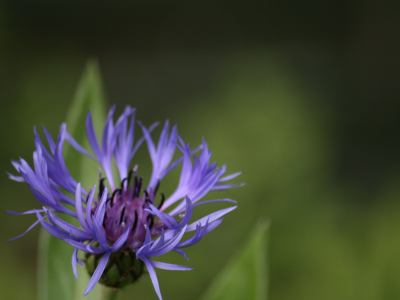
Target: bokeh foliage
308, 113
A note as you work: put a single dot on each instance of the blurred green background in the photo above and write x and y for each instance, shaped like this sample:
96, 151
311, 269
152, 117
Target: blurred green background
302, 96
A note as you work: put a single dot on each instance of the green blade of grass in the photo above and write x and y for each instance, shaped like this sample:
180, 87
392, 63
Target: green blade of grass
55, 276
245, 277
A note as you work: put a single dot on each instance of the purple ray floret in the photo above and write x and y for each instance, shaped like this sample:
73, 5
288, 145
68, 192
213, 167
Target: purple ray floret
124, 216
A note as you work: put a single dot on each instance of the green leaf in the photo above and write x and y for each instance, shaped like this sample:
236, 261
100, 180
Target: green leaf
55, 276
245, 277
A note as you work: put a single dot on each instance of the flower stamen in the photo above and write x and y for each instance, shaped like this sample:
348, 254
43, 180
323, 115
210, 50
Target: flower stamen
162, 200
135, 222
151, 221
157, 186
122, 214
102, 186
137, 186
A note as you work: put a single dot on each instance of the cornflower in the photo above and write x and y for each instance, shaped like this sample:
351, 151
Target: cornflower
122, 226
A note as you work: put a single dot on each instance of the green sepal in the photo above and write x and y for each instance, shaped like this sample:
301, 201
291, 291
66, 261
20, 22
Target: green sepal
113, 275
123, 268
91, 264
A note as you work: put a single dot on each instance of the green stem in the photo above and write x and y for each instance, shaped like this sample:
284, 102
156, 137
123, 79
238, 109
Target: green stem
107, 293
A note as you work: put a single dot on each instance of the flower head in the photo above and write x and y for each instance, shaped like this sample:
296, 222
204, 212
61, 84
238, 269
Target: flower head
121, 220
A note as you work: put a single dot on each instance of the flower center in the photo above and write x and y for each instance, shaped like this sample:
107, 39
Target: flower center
126, 208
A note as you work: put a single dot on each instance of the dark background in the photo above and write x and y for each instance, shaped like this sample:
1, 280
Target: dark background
302, 96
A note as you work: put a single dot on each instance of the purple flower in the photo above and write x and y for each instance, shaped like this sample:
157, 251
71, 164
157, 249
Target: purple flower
124, 224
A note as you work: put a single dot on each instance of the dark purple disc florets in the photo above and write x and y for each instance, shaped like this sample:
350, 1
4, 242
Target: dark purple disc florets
128, 207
